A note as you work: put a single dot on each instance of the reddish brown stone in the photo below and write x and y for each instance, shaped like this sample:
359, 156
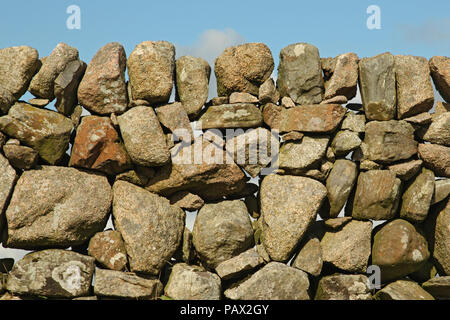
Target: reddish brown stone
108, 249
436, 158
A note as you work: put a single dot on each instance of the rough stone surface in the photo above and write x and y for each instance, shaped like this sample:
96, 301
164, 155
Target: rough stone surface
66, 87
436, 158
344, 142
52, 273
438, 287
309, 258
403, 290
187, 201
238, 265
335, 100
242, 97
174, 117
441, 190
300, 74
21, 157
37, 102
440, 221
421, 119
293, 136
440, 72
276, 281
56, 207
8, 179
343, 81
343, 287
406, 170
239, 115
108, 249
268, 92
151, 228
354, 122
439, 130
337, 223
138, 175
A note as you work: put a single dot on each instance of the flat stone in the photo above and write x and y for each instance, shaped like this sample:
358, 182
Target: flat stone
66, 87
239, 115
8, 177
108, 249
436, 158
439, 130
174, 117
143, 136
242, 97
300, 74
151, 228
377, 85
309, 258
344, 79
138, 175
438, 287
343, 287
268, 92
344, 142
239, 265
406, 170
221, 231
56, 207
399, 249
414, 89
439, 219
377, 195
20, 157
40, 103
45, 131
337, 223
116, 284
420, 119
354, 122
293, 136
271, 115
218, 101
441, 190
285, 218
275, 281
192, 283
440, 72
151, 69
335, 100
187, 201
366, 165
403, 290
52, 273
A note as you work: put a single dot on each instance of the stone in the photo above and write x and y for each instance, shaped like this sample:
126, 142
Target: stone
8, 177
188, 254
340, 183
354, 122
293, 136
377, 195
335, 100
187, 201
268, 92
98, 146
440, 72
287, 102
438, 287
56, 207
275, 281
138, 175
42, 84
416, 199
66, 87
348, 248
21, 157
239, 265
40, 103
323, 118
298, 156
108, 249
285, 218
343, 287
86, 298
300, 74
389, 141
116, 284
45, 131
421, 119
441, 190
439, 130
439, 219
9, 296
403, 290
218, 101
143, 136
441, 107
344, 142
239, 115
242, 97
174, 117
406, 170
436, 158
17, 67
76, 116
309, 258
399, 249
151, 228
344, 79
6, 265
337, 223
221, 231
52, 273
414, 88
151, 69
243, 68
192, 83
378, 86
192, 283
369, 165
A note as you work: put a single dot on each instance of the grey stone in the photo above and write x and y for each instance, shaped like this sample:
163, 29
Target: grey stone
309, 258
439, 130
344, 142
343, 287
8, 179
441, 190
174, 117
240, 264
403, 290
354, 122
268, 92
239, 115
21, 157
66, 87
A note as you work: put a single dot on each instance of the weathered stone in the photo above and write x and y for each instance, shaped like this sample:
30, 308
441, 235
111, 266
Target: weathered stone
414, 89
377, 85
86, 298
192, 283
417, 197
116, 284
138, 176
337, 223
441, 190
354, 122
276, 281
76, 116
441, 107
271, 115
8, 179
440, 72
151, 228
285, 218
287, 102
9, 296
406, 170
439, 219
343, 287
438, 287
335, 100
399, 249
300, 74
221, 231
298, 156
42, 85
46, 131
174, 117
239, 115
425, 273
344, 142
218, 101
268, 92
420, 119
17, 66
377, 195
21, 157
239, 265
349, 248
143, 137
56, 207
344, 78
243, 68
52, 273
403, 290
187, 248
293, 136
389, 141
369, 165
439, 130
98, 146
108, 249
151, 68
186, 201
242, 97
436, 158
309, 258
192, 83
66, 87
40, 103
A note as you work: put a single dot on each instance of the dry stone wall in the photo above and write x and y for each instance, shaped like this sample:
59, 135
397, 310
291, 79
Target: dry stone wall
324, 172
